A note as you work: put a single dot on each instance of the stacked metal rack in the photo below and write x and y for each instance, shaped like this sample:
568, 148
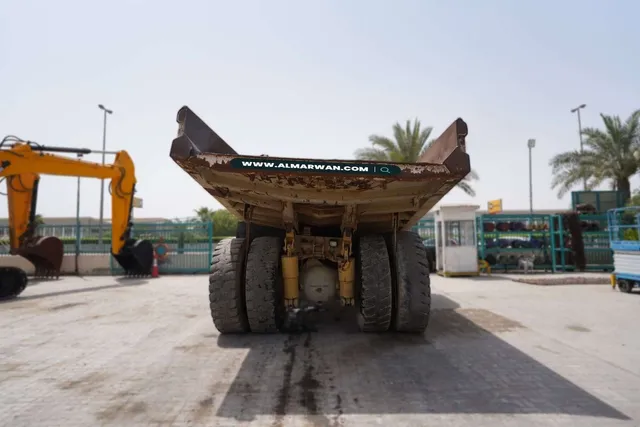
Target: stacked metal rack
595, 243
505, 239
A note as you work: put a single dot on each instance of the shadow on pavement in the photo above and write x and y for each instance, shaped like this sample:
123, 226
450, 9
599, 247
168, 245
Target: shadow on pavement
120, 282
460, 366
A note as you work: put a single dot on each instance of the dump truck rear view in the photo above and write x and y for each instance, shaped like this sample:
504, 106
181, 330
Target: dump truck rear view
319, 232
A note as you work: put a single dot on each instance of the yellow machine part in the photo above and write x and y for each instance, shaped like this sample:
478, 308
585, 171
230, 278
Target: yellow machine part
23, 162
290, 274
346, 278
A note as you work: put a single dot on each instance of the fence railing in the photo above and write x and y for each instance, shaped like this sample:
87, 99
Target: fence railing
189, 244
503, 239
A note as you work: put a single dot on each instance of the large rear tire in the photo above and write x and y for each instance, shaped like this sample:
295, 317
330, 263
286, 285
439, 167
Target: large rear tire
257, 231
412, 283
226, 287
263, 285
374, 271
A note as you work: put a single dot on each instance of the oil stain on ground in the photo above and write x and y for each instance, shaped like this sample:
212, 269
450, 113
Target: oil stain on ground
86, 383
306, 389
285, 389
66, 306
465, 322
578, 328
204, 409
122, 409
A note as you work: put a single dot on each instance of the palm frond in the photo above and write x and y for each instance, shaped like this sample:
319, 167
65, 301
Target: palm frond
409, 143
472, 176
466, 187
383, 143
608, 156
371, 154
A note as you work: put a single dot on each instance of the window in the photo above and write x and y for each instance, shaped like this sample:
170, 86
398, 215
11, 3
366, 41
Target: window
460, 233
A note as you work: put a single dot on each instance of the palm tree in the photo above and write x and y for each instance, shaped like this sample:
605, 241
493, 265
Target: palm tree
407, 146
204, 214
39, 220
635, 199
608, 156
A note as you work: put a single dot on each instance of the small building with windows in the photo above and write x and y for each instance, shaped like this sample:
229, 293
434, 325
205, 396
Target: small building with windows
455, 240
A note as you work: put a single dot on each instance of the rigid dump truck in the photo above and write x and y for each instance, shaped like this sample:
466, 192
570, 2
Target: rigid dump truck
319, 232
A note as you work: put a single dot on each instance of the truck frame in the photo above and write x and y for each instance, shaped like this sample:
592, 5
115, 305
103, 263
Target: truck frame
319, 232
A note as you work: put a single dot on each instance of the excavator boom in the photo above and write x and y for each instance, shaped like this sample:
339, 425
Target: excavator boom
22, 163
45, 253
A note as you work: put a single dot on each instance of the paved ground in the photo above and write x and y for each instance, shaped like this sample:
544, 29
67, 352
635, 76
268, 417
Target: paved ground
95, 351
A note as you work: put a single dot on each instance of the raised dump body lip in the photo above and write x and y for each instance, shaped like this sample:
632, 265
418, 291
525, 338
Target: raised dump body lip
318, 191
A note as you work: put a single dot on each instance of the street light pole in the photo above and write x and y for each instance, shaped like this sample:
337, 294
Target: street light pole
531, 143
577, 110
78, 234
104, 148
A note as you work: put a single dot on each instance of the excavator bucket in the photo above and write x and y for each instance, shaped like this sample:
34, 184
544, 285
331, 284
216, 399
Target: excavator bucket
45, 253
136, 257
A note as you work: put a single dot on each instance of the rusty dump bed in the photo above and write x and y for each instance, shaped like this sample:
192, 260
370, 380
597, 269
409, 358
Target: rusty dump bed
320, 193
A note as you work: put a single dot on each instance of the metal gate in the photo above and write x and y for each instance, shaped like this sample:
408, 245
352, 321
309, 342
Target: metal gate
183, 248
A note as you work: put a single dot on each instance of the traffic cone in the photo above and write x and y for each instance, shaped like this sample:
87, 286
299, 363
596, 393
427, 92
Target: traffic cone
154, 269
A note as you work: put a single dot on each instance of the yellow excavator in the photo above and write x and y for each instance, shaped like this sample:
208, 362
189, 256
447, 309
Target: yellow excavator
21, 163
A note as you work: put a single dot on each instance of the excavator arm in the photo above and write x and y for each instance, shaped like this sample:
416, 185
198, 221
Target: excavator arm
45, 253
22, 194
23, 162
23, 159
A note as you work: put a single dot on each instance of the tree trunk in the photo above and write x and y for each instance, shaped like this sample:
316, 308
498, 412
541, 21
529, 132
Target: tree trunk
623, 185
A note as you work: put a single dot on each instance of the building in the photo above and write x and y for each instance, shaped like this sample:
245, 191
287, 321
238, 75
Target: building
430, 215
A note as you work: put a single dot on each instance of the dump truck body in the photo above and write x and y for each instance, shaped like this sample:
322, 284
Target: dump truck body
320, 221
320, 189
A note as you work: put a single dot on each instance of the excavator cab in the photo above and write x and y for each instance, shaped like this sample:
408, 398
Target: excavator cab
44, 252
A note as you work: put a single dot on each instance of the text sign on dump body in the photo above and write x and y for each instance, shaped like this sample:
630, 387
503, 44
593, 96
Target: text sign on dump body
314, 166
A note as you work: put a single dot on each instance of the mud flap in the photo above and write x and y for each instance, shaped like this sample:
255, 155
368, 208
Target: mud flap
136, 257
45, 253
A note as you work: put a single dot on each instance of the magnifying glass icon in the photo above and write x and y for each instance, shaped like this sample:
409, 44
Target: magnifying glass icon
385, 169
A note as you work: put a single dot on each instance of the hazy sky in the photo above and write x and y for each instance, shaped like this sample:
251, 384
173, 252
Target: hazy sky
313, 79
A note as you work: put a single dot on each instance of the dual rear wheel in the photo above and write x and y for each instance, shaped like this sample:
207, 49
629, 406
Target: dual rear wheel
245, 292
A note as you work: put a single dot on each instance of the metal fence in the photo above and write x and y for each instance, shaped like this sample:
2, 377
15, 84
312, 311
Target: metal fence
503, 239
425, 229
189, 244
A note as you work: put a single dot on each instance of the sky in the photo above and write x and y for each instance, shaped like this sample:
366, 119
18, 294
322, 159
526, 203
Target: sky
313, 79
